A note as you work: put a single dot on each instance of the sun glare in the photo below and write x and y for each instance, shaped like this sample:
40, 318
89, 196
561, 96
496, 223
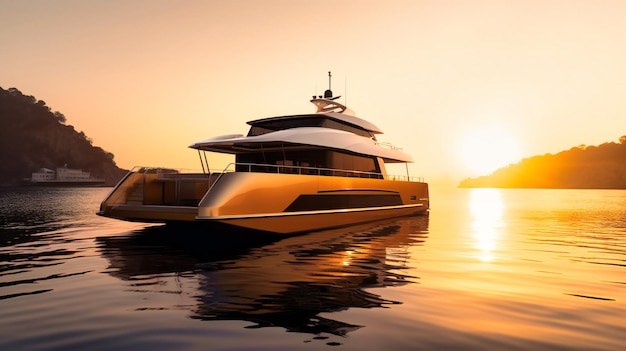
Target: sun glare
486, 206
483, 150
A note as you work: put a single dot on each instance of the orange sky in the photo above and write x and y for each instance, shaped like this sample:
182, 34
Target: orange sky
463, 86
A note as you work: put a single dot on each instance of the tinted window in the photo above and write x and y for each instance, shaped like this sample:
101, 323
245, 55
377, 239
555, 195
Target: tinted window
308, 162
260, 128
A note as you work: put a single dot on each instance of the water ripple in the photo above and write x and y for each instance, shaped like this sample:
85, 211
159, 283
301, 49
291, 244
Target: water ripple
527, 269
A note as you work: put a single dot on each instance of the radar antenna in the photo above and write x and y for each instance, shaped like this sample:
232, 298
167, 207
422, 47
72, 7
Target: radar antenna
328, 94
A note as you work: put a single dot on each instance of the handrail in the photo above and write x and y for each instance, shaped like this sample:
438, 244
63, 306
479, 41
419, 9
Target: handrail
286, 169
173, 173
389, 145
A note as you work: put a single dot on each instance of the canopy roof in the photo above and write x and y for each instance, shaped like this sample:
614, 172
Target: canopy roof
303, 138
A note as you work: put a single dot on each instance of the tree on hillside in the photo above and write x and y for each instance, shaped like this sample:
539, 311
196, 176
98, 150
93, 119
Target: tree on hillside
32, 136
601, 166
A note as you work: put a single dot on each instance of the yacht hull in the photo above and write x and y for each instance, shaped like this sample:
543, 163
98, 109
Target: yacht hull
269, 202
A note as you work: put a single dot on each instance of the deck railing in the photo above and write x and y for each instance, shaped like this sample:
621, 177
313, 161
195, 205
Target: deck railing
306, 170
171, 173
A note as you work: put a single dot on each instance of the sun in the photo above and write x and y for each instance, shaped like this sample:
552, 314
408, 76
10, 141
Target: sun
487, 148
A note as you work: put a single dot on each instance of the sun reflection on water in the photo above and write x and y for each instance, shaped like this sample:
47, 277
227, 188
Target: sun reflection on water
347, 257
486, 207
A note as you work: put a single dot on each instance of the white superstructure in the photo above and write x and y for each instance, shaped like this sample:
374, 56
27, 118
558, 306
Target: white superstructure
64, 176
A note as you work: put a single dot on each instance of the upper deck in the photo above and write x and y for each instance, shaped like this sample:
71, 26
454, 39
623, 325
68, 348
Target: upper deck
332, 120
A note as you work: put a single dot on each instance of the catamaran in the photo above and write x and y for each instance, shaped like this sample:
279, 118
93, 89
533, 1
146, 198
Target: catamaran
291, 174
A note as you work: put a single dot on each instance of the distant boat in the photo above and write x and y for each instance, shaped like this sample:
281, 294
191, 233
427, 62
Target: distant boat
64, 176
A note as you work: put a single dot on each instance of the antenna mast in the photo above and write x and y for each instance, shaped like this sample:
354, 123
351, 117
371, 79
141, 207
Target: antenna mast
329, 76
326, 103
328, 94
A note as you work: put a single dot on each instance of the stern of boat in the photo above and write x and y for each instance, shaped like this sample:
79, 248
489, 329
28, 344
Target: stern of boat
150, 194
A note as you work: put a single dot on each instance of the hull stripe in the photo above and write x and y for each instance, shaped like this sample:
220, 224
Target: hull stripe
308, 213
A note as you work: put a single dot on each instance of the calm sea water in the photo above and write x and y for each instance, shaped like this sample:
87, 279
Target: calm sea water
486, 270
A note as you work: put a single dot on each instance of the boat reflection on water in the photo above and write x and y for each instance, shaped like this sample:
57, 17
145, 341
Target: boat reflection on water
280, 281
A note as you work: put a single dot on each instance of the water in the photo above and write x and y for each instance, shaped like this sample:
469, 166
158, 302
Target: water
486, 270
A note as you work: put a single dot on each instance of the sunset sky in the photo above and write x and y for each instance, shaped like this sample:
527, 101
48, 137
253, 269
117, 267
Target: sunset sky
463, 86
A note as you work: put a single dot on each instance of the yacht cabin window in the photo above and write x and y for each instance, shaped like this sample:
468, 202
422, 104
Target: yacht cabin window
268, 126
322, 162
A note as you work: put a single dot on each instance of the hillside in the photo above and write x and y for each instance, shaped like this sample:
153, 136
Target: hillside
32, 137
582, 167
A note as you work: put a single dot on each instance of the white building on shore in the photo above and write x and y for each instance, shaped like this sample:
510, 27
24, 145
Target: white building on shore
64, 176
